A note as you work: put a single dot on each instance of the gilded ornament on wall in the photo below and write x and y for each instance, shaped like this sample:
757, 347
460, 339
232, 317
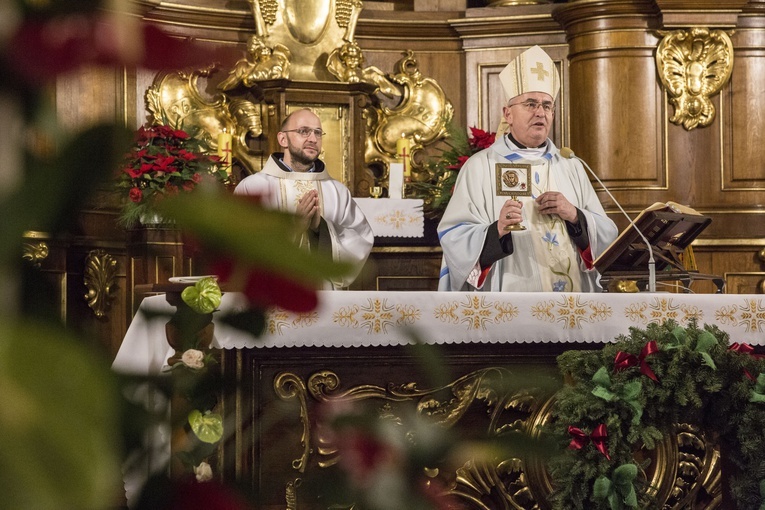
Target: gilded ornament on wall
100, 278
693, 65
309, 42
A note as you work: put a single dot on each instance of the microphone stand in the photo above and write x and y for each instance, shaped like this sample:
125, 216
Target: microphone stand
569, 154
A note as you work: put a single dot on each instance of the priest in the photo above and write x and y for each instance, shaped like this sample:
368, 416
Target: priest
522, 217
296, 181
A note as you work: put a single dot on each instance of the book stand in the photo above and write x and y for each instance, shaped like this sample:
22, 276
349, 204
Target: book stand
668, 233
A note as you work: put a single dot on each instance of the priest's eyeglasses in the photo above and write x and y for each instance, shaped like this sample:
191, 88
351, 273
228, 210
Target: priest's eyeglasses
305, 131
531, 106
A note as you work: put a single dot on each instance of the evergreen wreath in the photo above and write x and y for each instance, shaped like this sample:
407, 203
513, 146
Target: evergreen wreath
628, 395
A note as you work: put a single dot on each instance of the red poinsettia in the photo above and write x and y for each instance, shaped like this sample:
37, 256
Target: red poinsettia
46, 45
480, 139
162, 162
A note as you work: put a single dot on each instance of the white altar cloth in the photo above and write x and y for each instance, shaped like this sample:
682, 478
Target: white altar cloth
390, 217
361, 319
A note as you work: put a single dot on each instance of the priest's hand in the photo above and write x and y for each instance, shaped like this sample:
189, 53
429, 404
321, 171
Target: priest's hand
308, 210
510, 214
554, 202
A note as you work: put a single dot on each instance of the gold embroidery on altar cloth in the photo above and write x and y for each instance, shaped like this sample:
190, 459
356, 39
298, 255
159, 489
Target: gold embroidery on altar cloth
572, 311
662, 309
396, 219
376, 316
751, 315
476, 312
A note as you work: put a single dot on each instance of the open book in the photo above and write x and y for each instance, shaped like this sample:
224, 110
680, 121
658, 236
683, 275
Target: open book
669, 228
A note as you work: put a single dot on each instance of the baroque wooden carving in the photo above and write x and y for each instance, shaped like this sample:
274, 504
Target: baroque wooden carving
683, 472
694, 65
100, 277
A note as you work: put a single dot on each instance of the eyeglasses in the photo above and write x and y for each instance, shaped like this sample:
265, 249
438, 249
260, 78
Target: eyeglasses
305, 132
531, 106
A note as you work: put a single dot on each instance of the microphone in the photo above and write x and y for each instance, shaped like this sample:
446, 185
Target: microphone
569, 154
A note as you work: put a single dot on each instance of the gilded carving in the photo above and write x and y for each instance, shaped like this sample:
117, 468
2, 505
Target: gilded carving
422, 115
100, 278
310, 31
261, 63
693, 65
288, 387
35, 253
683, 471
305, 41
175, 99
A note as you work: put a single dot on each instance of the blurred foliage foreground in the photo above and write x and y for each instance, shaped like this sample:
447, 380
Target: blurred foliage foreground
67, 428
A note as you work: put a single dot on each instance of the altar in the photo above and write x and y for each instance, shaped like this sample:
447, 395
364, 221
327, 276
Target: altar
359, 346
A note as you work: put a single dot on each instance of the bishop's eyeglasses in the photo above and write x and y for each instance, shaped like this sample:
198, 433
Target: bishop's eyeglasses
531, 106
305, 131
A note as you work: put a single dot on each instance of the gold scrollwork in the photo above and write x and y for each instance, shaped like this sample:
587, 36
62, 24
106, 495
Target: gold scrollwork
308, 31
35, 253
304, 41
693, 65
289, 386
422, 115
684, 467
508, 410
100, 278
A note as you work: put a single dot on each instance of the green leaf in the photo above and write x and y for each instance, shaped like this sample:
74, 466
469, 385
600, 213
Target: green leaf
204, 296
58, 419
207, 427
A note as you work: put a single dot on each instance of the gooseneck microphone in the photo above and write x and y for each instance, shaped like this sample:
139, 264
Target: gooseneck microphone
569, 154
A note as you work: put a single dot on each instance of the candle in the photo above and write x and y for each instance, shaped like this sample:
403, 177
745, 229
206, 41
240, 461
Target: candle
403, 153
225, 144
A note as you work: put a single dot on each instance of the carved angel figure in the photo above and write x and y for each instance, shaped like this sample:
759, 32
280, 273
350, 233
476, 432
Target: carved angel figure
262, 63
694, 65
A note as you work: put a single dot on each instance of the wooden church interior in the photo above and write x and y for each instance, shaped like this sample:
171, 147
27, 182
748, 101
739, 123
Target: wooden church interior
648, 138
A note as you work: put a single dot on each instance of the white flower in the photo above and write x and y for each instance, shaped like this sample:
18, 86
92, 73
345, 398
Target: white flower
193, 358
203, 472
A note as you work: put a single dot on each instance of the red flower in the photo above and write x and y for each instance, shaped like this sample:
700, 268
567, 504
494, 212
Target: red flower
362, 455
481, 139
162, 164
46, 47
135, 195
197, 178
211, 495
186, 155
133, 173
265, 289
460, 162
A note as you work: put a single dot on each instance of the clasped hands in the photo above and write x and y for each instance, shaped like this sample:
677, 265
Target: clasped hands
308, 212
549, 202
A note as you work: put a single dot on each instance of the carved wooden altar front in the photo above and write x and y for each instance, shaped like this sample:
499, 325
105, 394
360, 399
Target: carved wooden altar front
279, 449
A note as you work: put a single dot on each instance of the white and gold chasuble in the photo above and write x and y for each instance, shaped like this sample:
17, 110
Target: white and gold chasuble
544, 257
555, 256
350, 233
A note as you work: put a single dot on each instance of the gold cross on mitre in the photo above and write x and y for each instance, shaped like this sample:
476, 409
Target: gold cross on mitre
540, 71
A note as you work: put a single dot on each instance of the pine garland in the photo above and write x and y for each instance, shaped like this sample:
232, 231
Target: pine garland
700, 378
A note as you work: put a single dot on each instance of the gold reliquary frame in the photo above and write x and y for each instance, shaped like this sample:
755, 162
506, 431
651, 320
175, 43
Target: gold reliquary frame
693, 65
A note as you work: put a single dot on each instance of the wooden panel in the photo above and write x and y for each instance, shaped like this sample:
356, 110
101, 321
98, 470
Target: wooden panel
745, 105
400, 268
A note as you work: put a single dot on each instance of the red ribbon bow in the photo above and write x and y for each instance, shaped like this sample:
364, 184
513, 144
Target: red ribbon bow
745, 349
625, 360
599, 438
